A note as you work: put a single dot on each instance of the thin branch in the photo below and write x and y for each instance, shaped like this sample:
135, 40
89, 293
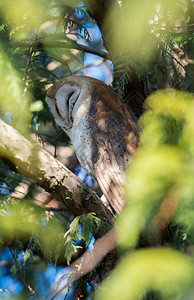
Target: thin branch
40, 45
21, 195
57, 209
94, 64
179, 63
22, 189
90, 259
21, 277
4, 263
164, 27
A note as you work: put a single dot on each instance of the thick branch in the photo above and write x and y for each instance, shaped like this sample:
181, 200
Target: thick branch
33, 162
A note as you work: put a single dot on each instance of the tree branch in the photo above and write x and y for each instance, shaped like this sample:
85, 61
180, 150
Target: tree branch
34, 162
40, 45
90, 259
179, 63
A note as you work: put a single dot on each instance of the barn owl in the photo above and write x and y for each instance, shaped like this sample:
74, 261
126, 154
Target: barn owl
102, 132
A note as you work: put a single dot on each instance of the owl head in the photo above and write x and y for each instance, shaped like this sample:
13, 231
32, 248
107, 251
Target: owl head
69, 98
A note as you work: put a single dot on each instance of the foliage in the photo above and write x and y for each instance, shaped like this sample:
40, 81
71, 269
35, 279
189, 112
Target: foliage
12, 95
82, 228
162, 169
142, 34
145, 32
26, 73
157, 269
30, 230
35, 21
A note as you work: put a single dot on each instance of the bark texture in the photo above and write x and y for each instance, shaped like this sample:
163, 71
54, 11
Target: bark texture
33, 162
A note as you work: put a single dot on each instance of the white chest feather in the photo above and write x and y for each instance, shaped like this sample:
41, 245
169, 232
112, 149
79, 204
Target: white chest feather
80, 135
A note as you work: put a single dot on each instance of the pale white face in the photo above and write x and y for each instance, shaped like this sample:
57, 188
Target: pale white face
68, 100
63, 106
69, 103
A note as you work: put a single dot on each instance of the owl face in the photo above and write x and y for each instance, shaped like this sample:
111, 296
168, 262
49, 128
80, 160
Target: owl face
67, 100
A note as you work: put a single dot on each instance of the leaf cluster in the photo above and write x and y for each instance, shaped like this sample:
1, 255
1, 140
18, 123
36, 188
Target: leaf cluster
29, 71
31, 233
144, 33
82, 228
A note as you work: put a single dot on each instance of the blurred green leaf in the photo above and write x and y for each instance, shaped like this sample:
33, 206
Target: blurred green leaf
36, 106
164, 270
162, 165
14, 103
22, 221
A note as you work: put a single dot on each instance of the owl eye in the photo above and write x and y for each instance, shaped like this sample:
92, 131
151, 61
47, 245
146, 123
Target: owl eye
57, 110
63, 105
71, 100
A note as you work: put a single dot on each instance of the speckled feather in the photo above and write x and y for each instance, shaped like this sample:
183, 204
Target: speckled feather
101, 129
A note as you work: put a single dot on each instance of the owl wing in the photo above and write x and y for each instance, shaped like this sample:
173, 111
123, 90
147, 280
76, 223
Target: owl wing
115, 139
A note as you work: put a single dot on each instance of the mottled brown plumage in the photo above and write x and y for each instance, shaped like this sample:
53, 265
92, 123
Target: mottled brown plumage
101, 129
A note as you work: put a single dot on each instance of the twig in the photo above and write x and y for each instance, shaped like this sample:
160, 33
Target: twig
21, 277
96, 63
57, 293
178, 62
55, 209
21, 190
176, 27
56, 142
